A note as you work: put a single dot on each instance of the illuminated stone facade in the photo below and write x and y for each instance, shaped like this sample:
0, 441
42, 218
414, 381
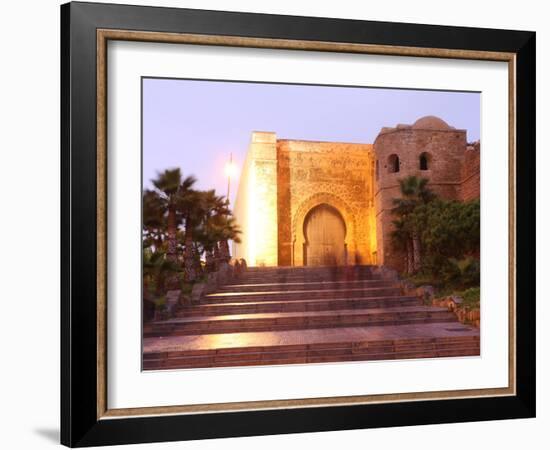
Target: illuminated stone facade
256, 208
288, 185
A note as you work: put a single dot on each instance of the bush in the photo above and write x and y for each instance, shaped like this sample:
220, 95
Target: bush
471, 298
160, 303
448, 229
461, 273
447, 232
148, 310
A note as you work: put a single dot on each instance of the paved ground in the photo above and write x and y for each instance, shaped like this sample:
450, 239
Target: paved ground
306, 337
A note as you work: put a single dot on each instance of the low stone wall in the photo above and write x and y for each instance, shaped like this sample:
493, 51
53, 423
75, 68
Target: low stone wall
226, 273
176, 299
453, 303
425, 293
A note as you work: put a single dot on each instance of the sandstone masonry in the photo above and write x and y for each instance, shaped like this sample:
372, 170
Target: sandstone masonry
283, 181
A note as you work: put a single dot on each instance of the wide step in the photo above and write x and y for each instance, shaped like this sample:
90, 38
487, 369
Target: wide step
315, 353
308, 274
291, 321
292, 295
297, 315
251, 307
305, 286
306, 277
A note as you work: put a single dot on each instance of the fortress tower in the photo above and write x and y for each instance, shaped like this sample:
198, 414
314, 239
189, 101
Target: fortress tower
431, 149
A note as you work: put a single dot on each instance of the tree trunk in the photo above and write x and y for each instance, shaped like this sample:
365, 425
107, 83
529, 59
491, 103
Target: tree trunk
171, 253
161, 281
171, 281
224, 251
197, 260
210, 264
189, 258
217, 255
159, 240
416, 252
409, 257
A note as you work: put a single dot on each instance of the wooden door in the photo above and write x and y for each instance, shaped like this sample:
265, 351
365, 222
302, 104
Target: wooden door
325, 233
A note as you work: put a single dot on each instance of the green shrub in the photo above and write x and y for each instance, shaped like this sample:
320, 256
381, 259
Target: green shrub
461, 273
160, 303
471, 298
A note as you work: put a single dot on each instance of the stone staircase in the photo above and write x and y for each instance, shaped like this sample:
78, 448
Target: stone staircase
305, 315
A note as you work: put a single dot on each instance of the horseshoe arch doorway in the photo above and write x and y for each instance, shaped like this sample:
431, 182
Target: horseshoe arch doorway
325, 233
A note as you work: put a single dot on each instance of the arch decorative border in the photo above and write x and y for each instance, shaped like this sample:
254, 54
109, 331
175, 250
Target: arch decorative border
298, 237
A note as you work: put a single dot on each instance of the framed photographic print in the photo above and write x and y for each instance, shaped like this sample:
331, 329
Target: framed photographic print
276, 224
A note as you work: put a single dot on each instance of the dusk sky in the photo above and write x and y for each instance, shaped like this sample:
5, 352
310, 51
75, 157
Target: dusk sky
195, 125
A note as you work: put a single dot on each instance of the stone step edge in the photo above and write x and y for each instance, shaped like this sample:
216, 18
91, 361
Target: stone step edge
309, 302
295, 297
234, 325
260, 309
308, 268
323, 346
309, 278
183, 363
332, 283
188, 331
299, 321
295, 292
296, 315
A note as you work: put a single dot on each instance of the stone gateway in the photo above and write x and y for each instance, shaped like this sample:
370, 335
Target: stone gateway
308, 203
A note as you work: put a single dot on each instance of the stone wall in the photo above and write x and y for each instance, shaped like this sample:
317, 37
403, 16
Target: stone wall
256, 203
338, 174
283, 180
470, 189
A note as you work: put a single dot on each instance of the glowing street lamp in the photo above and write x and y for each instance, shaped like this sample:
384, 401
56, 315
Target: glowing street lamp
230, 171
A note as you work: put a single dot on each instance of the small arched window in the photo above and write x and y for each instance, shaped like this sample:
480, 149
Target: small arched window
425, 161
393, 163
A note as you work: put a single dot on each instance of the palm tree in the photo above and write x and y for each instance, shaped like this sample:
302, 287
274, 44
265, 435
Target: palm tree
229, 231
414, 192
401, 240
217, 227
154, 222
170, 187
185, 221
191, 206
156, 268
207, 230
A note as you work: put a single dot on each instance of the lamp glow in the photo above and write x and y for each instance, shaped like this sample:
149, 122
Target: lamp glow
230, 169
